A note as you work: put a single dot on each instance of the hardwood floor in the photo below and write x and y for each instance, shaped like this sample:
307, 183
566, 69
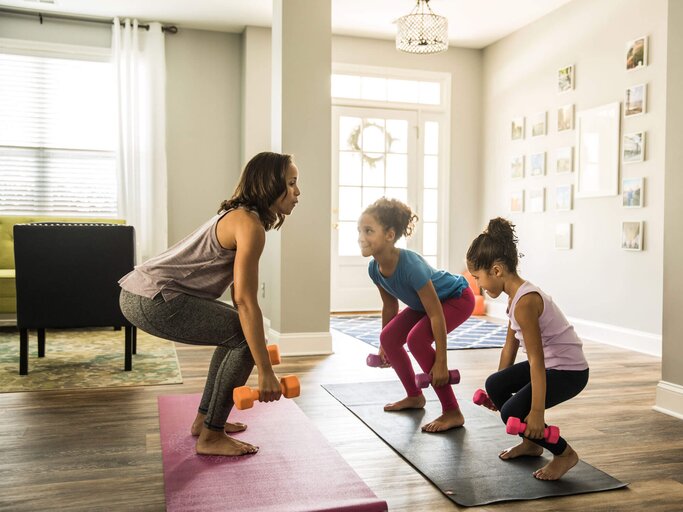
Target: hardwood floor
99, 449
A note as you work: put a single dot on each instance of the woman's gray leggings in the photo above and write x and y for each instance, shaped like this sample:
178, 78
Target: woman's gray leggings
196, 321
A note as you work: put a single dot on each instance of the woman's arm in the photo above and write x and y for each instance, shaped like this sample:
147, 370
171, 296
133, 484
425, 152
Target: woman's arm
509, 352
389, 311
527, 312
250, 239
434, 309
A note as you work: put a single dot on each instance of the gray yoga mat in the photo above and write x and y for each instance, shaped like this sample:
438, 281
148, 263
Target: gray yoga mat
463, 463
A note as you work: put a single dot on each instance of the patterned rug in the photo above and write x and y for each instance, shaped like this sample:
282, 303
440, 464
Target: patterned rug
473, 333
85, 358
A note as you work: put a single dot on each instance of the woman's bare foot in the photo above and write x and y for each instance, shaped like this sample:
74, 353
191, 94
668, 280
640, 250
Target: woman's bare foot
557, 467
409, 402
448, 420
230, 428
219, 443
526, 447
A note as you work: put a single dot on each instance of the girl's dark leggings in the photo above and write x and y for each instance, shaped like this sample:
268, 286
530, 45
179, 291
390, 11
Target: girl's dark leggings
510, 391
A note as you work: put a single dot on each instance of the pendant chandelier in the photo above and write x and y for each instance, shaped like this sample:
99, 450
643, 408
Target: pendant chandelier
422, 31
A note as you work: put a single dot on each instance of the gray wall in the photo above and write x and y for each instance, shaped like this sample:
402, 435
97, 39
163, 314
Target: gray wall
596, 281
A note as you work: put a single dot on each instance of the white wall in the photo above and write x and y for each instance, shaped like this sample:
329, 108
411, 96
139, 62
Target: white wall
611, 294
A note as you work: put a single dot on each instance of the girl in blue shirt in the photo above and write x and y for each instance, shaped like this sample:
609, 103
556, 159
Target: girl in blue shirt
437, 303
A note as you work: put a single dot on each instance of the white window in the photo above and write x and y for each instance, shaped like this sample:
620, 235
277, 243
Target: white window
57, 132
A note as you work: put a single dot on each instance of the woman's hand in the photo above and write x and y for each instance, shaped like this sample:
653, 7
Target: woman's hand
439, 374
535, 425
269, 387
383, 357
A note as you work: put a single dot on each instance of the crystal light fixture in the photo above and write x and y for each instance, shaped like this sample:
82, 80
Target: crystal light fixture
422, 31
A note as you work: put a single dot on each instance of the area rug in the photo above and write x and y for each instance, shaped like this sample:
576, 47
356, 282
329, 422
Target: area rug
86, 358
295, 470
472, 333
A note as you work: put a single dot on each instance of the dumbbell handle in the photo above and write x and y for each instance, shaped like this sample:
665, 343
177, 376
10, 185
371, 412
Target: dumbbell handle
422, 380
252, 394
374, 360
514, 426
481, 398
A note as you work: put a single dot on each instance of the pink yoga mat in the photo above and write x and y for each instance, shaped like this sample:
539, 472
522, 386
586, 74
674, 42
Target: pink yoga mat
295, 469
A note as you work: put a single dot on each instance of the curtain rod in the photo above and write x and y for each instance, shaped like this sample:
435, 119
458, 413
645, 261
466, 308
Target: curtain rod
170, 29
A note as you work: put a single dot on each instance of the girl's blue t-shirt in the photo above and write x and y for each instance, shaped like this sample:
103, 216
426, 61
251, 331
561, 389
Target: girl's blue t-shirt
411, 274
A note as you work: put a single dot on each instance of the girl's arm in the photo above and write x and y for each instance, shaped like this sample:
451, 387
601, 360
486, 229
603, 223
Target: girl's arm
509, 352
527, 312
389, 311
250, 239
432, 304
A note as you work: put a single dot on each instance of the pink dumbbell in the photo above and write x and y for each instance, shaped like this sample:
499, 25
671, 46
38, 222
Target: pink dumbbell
374, 360
425, 379
515, 426
481, 398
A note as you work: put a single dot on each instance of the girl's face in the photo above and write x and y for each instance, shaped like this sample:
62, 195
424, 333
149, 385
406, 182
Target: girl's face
372, 237
490, 280
288, 200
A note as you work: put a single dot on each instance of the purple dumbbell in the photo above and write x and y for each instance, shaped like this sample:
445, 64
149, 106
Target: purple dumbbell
481, 398
425, 379
515, 426
374, 360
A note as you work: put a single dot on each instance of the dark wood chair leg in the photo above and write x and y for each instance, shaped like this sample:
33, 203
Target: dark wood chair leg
135, 340
117, 328
23, 352
41, 342
128, 364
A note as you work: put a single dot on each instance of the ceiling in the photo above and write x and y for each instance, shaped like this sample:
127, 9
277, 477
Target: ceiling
471, 23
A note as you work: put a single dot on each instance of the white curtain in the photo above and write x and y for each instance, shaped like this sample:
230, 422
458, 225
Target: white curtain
140, 74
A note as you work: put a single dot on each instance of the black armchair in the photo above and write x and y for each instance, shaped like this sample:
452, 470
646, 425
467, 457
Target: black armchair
67, 276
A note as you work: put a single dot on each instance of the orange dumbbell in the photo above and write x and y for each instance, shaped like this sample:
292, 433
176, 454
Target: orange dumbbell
274, 354
244, 396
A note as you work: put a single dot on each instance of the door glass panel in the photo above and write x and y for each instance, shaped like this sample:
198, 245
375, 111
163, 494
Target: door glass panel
429, 242
406, 91
345, 86
349, 203
371, 194
373, 169
431, 138
348, 239
397, 193
372, 88
374, 137
429, 209
397, 135
350, 168
397, 170
350, 136
431, 171
430, 93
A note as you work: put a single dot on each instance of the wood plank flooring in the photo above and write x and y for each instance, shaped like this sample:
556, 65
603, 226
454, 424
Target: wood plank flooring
92, 450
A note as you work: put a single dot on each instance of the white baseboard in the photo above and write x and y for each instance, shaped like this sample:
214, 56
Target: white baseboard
631, 339
302, 343
669, 399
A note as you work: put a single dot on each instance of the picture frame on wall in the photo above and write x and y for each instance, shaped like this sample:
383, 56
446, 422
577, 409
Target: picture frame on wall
563, 198
565, 118
632, 235
564, 160
632, 192
537, 200
633, 147
565, 79
636, 53
517, 128
517, 201
539, 124
563, 236
635, 100
517, 167
537, 164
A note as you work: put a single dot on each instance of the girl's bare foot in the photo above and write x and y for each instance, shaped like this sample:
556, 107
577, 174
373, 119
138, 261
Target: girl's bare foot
409, 402
526, 447
558, 466
219, 443
230, 428
449, 419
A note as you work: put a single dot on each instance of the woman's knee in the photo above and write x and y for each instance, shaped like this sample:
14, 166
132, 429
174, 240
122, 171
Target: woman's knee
493, 384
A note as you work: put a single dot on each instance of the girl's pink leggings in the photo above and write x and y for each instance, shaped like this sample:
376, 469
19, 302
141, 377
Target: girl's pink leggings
414, 328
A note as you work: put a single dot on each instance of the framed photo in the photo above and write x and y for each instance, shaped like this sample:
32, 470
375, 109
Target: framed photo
635, 100
563, 198
633, 148
597, 151
565, 79
565, 118
632, 192
632, 235
517, 201
517, 168
537, 200
537, 164
564, 160
517, 128
636, 53
538, 124
563, 236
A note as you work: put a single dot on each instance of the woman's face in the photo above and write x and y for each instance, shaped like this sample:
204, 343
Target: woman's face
288, 200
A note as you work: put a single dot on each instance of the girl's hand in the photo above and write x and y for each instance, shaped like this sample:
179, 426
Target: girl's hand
382, 355
535, 424
269, 387
439, 374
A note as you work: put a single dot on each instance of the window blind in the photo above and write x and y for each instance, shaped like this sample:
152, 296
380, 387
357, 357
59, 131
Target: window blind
57, 136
